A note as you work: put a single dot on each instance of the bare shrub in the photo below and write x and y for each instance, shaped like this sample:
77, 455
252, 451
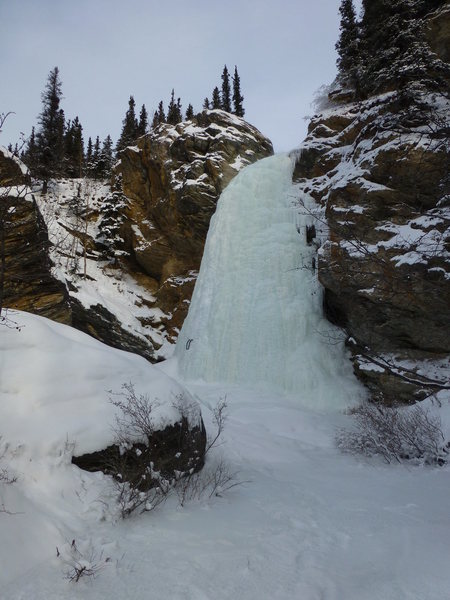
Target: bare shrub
5, 475
79, 565
395, 433
143, 481
216, 478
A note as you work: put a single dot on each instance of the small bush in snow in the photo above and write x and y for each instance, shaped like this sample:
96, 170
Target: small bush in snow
395, 433
139, 486
78, 564
5, 475
216, 477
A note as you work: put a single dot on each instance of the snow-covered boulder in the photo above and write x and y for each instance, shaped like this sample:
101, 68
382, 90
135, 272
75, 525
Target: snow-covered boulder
56, 385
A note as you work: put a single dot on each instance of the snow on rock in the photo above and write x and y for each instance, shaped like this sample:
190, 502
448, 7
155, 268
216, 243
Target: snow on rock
55, 382
173, 183
379, 169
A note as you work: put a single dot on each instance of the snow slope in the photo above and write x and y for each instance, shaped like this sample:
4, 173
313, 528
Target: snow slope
307, 523
310, 523
54, 403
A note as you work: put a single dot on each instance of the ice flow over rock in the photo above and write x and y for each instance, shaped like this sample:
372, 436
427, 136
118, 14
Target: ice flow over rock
256, 312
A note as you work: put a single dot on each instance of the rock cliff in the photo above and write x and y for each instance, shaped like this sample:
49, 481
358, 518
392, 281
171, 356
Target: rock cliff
379, 168
173, 178
26, 280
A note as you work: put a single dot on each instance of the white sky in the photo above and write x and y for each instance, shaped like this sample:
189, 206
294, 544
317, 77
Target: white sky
109, 49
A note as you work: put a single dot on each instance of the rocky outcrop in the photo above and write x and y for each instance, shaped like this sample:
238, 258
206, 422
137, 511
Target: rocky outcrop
29, 284
25, 268
173, 178
379, 169
136, 301
176, 449
12, 171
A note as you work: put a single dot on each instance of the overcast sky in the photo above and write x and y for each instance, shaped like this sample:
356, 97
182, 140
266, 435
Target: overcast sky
109, 49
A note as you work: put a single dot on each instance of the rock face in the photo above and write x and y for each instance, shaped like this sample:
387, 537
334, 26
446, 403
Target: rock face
380, 170
177, 448
12, 171
174, 177
28, 283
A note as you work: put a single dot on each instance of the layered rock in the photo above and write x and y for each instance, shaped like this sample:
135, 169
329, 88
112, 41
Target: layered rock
138, 301
174, 177
380, 170
12, 171
25, 269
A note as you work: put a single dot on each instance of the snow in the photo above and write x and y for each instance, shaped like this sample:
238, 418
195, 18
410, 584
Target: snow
307, 522
64, 393
7, 154
105, 286
256, 312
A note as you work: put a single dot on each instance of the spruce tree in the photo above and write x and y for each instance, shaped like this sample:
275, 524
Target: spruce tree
238, 99
112, 212
216, 100
143, 122
395, 50
189, 112
226, 92
174, 115
89, 151
206, 104
74, 149
349, 45
130, 127
161, 113
50, 137
105, 159
31, 152
155, 121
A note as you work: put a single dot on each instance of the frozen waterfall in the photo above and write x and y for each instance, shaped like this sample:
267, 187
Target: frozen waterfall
256, 312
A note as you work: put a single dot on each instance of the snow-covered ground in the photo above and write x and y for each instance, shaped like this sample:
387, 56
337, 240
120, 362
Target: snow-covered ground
308, 523
70, 210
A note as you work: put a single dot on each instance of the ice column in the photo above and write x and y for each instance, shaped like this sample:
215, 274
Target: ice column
256, 312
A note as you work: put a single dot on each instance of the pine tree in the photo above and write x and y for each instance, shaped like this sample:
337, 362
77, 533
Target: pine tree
394, 46
143, 122
30, 156
189, 112
74, 149
112, 211
155, 121
174, 115
238, 99
130, 127
161, 113
216, 100
349, 45
105, 159
226, 92
89, 151
50, 137
206, 104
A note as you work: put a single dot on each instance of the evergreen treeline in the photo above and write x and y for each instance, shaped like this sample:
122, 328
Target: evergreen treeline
386, 48
56, 147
